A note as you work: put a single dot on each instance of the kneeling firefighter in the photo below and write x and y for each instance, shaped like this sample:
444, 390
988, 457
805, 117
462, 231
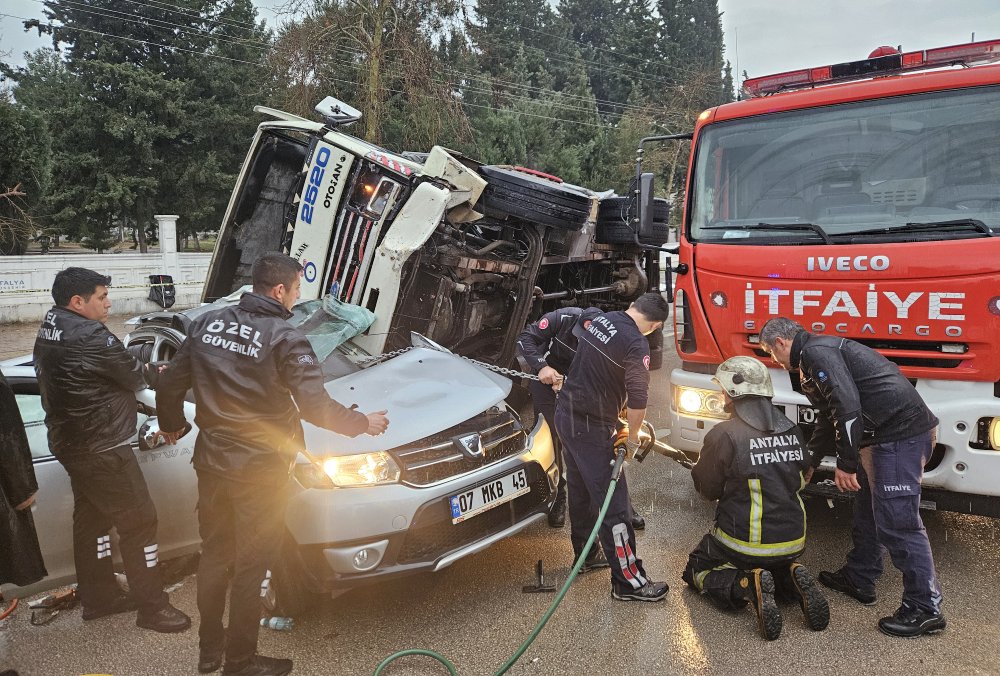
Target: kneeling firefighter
755, 464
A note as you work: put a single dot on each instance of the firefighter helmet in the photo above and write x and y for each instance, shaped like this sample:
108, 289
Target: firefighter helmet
743, 376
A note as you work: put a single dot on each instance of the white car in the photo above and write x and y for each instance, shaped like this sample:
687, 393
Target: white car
456, 471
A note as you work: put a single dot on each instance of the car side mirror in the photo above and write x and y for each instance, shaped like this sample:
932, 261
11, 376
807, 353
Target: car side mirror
646, 208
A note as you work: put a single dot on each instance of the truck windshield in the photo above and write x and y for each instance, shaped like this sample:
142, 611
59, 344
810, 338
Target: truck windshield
912, 168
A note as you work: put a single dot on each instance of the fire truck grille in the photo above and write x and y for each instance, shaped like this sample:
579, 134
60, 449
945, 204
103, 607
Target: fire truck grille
433, 535
440, 457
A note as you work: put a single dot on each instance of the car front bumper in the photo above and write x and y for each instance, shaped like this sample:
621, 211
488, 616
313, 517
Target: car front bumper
349, 536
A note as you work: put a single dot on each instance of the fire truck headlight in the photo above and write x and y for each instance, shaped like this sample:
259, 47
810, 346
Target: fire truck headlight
995, 434
698, 402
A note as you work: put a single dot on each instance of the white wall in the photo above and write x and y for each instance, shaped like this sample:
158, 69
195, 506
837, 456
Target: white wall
26, 281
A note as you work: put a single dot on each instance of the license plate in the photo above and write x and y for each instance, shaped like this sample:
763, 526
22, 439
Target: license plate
808, 415
468, 504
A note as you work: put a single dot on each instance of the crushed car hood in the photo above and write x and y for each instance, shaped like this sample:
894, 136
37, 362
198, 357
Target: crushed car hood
423, 390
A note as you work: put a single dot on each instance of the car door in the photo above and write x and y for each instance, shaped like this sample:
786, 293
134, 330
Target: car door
171, 480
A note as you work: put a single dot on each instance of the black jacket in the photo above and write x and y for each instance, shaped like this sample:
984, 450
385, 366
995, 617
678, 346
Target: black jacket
20, 557
611, 368
550, 341
246, 363
88, 382
756, 476
862, 396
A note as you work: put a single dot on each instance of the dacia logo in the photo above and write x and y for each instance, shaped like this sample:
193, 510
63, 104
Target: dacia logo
470, 445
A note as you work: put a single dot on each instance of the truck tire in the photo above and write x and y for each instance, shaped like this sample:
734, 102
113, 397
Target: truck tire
655, 350
614, 224
532, 198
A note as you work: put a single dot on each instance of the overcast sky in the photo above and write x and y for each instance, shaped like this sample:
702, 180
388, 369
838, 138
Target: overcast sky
762, 36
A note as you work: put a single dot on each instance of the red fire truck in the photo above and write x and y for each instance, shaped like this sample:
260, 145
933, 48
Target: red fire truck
861, 199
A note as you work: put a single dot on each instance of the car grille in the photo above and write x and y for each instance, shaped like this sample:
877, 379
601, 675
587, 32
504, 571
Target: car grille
432, 534
436, 458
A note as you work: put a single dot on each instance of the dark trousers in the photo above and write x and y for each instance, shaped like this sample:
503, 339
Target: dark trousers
109, 490
241, 527
588, 454
716, 571
887, 515
544, 400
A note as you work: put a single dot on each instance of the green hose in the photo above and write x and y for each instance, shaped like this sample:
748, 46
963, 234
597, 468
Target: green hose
615, 473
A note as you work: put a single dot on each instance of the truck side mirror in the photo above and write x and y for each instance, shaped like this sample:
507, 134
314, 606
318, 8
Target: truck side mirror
646, 207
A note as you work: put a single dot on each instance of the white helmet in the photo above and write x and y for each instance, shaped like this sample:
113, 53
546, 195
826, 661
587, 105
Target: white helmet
743, 376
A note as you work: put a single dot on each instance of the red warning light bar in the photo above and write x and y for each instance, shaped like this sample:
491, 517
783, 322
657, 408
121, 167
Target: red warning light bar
879, 63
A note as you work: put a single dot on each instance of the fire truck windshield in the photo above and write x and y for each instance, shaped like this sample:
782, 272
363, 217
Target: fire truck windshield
911, 168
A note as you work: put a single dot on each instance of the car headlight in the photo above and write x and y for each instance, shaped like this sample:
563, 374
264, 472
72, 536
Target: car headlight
363, 469
698, 402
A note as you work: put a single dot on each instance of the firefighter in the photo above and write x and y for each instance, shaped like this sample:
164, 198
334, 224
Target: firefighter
88, 382
246, 363
754, 464
882, 433
546, 348
610, 370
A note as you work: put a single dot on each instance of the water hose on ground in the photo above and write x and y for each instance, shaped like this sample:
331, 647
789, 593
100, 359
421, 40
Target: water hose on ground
615, 475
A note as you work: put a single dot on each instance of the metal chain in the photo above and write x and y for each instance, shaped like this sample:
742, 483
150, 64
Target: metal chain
510, 373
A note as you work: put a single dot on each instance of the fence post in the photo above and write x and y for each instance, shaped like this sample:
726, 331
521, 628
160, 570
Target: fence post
167, 225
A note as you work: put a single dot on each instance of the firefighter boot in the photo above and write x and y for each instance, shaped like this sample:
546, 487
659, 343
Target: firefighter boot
814, 604
757, 586
557, 515
838, 581
908, 622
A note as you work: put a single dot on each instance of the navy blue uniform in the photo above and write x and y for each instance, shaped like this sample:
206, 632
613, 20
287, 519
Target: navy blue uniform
610, 369
881, 429
549, 342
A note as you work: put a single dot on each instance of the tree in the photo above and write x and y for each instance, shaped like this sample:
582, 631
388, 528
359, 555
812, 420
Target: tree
24, 173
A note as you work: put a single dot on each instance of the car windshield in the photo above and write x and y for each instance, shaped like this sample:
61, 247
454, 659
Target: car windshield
913, 168
329, 325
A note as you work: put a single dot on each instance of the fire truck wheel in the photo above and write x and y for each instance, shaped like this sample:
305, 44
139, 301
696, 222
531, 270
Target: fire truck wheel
532, 198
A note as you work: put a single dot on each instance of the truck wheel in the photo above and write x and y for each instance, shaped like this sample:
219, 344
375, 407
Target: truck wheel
614, 222
531, 197
655, 350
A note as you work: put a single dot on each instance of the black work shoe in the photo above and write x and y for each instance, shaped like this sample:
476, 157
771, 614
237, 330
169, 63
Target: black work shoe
121, 604
259, 666
814, 604
166, 620
595, 561
758, 585
911, 622
638, 523
838, 581
209, 660
557, 514
650, 592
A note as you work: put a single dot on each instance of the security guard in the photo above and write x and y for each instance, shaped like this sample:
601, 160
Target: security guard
246, 363
881, 430
611, 367
88, 382
547, 348
754, 464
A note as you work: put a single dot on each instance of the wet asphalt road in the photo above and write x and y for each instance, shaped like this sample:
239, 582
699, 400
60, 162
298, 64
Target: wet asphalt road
475, 613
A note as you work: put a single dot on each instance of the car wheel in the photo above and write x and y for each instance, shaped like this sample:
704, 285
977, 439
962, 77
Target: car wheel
154, 342
287, 595
533, 197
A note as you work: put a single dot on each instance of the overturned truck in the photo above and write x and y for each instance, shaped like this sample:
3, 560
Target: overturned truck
435, 243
